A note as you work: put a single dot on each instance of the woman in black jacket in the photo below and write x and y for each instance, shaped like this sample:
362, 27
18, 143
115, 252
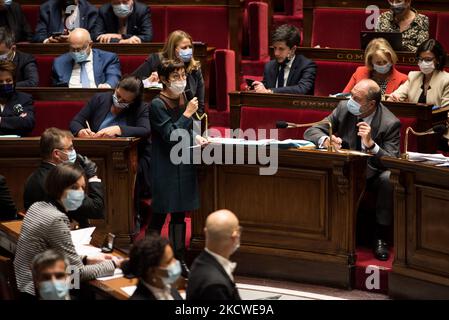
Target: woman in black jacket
179, 45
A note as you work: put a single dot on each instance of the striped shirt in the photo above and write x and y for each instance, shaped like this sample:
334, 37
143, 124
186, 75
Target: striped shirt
46, 227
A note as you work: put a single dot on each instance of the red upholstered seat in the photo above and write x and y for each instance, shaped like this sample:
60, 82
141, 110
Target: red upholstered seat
333, 76
258, 31
44, 65
338, 28
193, 20
31, 13
129, 63
54, 114
442, 29
159, 20
433, 22
224, 77
412, 142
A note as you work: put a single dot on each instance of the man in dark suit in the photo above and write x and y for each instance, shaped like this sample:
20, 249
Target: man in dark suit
16, 108
84, 67
61, 16
123, 21
12, 18
365, 124
211, 274
8, 210
288, 72
26, 68
56, 147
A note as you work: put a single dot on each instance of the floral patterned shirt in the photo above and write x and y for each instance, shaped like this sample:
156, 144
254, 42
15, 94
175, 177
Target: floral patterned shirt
413, 36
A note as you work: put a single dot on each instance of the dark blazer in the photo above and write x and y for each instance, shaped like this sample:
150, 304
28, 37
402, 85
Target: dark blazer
138, 23
209, 281
195, 81
15, 121
385, 131
301, 79
106, 68
51, 19
143, 293
8, 210
26, 70
16, 22
93, 204
95, 111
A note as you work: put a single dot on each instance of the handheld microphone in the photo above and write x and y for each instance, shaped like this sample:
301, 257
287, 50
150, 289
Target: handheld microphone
439, 129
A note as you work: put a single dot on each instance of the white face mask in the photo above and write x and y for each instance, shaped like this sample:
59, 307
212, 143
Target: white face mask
427, 67
177, 87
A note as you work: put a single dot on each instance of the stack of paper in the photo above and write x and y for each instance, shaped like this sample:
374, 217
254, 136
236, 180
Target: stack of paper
263, 142
81, 240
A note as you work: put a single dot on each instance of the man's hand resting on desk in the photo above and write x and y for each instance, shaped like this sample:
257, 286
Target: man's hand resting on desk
336, 142
109, 132
260, 88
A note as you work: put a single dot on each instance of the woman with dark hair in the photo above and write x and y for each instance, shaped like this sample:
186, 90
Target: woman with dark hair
178, 46
153, 262
174, 183
430, 85
16, 108
47, 226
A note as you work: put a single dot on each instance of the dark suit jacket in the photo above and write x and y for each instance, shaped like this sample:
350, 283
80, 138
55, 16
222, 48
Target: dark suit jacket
209, 281
8, 210
51, 19
106, 68
143, 293
17, 22
195, 81
93, 204
385, 131
15, 122
138, 23
26, 70
301, 79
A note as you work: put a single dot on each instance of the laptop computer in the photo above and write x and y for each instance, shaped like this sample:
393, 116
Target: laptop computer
394, 38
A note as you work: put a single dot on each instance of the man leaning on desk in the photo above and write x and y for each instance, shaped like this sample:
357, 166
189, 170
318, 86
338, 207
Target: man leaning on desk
363, 123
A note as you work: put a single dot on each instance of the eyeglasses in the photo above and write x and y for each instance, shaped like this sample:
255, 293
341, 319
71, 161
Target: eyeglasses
177, 76
425, 59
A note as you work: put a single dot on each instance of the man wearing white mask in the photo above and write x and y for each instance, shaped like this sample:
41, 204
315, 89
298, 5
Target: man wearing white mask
430, 85
85, 67
212, 277
123, 21
363, 123
56, 147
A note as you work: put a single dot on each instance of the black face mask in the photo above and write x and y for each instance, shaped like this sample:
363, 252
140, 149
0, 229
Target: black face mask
397, 10
7, 90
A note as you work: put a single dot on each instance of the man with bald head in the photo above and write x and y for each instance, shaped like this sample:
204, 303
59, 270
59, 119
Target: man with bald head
363, 123
211, 274
85, 67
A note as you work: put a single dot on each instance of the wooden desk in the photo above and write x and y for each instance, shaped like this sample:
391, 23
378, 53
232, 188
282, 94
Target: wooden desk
298, 224
9, 233
421, 227
117, 166
423, 113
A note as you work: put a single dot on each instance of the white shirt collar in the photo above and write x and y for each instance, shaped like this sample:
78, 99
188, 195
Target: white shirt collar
227, 265
160, 294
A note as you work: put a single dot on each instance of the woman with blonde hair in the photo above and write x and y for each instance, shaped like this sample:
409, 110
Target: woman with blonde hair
178, 46
380, 61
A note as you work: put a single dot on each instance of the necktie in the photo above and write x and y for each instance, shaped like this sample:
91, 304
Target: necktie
84, 79
358, 143
281, 74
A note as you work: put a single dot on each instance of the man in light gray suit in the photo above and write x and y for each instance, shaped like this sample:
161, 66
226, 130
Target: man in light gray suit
363, 123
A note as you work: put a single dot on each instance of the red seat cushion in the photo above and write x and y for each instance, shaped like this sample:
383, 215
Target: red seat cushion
338, 28
54, 114
31, 13
258, 30
129, 63
442, 29
333, 76
225, 77
433, 21
193, 19
44, 66
412, 142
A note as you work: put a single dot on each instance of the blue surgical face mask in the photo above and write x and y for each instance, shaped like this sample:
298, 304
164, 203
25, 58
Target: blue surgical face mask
354, 107
73, 200
121, 10
54, 290
398, 8
117, 104
80, 56
71, 156
382, 69
173, 273
186, 54
7, 2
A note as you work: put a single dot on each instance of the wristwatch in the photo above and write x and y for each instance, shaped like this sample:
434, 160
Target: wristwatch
370, 148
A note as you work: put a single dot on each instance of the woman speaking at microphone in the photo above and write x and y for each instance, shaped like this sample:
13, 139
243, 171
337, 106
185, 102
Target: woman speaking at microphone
174, 185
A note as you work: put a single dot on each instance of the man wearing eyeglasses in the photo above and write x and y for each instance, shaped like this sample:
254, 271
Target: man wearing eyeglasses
84, 67
56, 147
